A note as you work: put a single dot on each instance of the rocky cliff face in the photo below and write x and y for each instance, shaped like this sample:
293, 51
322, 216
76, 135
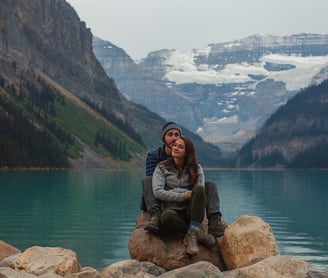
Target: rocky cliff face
45, 42
47, 36
143, 86
226, 91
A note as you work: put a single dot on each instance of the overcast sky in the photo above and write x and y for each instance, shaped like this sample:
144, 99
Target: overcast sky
142, 26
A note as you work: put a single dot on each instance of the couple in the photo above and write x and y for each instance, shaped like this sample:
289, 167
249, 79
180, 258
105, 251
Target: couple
175, 192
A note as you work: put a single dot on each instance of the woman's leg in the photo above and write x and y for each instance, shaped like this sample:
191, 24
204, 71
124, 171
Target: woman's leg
195, 212
197, 204
172, 222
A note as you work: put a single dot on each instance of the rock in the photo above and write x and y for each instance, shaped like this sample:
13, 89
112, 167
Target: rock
131, 269
247, 240
314, 273
167, 252
196, 270
247, 237
86, 272
273, 267
7, 250
7, 272
47, 260
8, 261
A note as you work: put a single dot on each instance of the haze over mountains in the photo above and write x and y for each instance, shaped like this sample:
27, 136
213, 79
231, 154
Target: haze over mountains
60, 109
226, 91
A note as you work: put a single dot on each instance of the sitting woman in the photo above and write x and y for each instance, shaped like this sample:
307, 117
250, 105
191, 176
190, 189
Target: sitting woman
179, 185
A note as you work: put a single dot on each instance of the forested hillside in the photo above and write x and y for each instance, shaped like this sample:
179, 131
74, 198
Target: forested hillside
296, 136
42, 128
58, 107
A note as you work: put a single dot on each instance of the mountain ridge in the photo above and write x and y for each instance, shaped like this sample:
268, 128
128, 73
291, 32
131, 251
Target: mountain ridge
295, 136
44, 50
213, 88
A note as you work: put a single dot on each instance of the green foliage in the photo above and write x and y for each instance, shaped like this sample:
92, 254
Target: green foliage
87, 127
272, 159
39, 126
118, 122
303, 118
22, 144
113, 144
245, 157
314, 157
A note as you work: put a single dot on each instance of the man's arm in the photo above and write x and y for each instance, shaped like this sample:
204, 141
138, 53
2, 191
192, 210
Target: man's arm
151, 162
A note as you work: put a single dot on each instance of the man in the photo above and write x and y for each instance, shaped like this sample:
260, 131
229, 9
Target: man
170, 133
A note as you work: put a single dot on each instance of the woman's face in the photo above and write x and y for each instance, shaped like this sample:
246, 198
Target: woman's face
178, 149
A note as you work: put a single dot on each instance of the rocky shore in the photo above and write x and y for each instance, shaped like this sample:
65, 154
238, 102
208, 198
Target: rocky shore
247, 249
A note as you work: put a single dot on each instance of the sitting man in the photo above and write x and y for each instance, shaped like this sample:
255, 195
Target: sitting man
170, 133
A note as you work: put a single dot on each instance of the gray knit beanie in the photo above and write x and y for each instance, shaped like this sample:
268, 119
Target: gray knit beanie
168, 126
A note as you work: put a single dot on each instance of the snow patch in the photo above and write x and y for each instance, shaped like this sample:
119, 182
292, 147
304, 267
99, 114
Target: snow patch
182, 69
224, 120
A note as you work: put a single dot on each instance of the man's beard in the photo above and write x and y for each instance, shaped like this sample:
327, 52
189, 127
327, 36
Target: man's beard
169, 145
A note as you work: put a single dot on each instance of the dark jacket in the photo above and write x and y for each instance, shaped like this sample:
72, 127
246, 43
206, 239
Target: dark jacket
153, 158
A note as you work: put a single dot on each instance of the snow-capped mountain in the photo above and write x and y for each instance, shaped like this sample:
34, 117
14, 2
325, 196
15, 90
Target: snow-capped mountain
226, 91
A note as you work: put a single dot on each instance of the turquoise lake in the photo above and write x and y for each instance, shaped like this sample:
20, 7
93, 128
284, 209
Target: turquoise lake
93, 212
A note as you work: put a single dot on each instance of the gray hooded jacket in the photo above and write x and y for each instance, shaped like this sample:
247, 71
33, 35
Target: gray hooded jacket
169, 186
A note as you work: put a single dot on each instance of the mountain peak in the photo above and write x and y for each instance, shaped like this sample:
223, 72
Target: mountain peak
225, 91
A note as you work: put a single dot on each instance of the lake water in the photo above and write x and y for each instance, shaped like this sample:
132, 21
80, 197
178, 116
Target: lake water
93, 212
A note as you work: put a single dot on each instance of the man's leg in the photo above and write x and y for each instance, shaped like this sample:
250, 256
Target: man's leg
215, 226
152, 205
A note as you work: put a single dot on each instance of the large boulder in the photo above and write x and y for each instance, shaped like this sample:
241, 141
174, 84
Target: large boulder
7, 272
167, 252
196, 270
7, 250
132, 269
43, 262
247, 240
38, 260
274, 267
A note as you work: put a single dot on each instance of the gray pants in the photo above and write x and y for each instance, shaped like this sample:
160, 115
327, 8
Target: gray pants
149, 202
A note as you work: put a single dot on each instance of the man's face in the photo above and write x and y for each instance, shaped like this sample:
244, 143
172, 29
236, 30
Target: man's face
171, 136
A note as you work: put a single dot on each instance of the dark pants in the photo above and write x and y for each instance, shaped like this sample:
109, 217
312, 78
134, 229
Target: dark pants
149, 202
177, 221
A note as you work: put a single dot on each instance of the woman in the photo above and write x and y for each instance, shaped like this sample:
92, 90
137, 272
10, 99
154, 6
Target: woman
178, 183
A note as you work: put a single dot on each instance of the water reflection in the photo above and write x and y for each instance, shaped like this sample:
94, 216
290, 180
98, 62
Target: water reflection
293, 203
90, 212
94, 212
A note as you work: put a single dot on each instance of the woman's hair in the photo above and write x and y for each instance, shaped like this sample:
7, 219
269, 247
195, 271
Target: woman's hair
191, 161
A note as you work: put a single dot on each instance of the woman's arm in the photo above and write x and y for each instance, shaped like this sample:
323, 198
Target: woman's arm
158, 184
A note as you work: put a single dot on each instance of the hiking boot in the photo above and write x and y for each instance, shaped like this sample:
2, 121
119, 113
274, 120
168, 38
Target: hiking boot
207, 240
154, 222
215, 225
190, 240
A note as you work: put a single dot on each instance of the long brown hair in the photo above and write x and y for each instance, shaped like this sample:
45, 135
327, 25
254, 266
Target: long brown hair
191, 161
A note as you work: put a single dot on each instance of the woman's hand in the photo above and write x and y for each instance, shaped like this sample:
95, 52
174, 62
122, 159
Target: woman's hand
187, 194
